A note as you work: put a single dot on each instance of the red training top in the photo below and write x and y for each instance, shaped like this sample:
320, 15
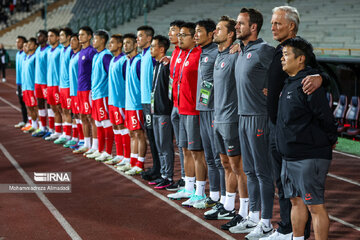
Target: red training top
174, 72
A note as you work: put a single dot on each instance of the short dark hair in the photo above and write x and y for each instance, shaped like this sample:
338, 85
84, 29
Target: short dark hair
87, 29
191, 26
230, 25
162, 41
255, 17
118, 37
300, 47
32, 39
22, 38
149, 31
177, 23
76, 35
44, 32
208, 24
67, 31
54, 31
103, 34
131, 36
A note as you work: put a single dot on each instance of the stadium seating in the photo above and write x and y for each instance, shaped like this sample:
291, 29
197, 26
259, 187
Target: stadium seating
339, 113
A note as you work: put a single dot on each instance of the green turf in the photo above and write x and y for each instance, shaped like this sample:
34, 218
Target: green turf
348, 146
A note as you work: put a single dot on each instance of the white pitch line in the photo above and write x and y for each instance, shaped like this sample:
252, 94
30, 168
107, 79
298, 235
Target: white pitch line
58, 216
344, 223
344, 179
174, 205
347, 154
10, 104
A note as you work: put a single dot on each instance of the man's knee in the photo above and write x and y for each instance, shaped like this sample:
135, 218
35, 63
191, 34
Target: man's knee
316, 209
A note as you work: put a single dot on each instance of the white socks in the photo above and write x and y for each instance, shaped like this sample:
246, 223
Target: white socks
298, 238
189, 183
254, 216
230, 201
244, 207
266, 222
87, 142
215, 196
200, 188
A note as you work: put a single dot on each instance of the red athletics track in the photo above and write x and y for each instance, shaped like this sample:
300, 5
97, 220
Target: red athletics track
106, 205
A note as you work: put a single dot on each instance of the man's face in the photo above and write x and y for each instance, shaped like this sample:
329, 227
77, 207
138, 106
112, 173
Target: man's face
155, 49
114, 45
186, 40
63, 37
289, 63
173, 32
41, 38
221, 33
201, 36
26, 49
142, 39
84, 37
129, 45
98, 42
74, 43
19, 43
280, 26
52, 38
243, 26
31, 46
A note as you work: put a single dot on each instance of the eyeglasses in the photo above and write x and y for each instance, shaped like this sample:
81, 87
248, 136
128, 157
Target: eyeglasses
183, 35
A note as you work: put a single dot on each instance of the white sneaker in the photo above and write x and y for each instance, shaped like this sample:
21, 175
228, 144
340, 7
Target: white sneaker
245, 226
4, 80
125, 167
182, 193
53, 137
89, 151
135, 170
193, 200
94, 154
104, 157
260, 231
114, 160
19, 125
278, 236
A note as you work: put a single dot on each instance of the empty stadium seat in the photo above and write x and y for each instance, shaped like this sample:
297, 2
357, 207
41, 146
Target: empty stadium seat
339, 113
352, 116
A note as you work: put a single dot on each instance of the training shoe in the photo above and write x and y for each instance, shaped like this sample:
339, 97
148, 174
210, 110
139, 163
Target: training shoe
206, 203
214, 209
163, 184
53, 137
36, 132
122, 163
134, 171
77, 146
26, 127
94, 155
125, 167
182, 193
114, 160
61, 140
176, 185
260, 231
233, 222
19, 125
150, 175
245, 226
103, 157
89, 151
221, 213
47, 134
156, 181
193, 200
29, 130
278, 236
81, 150
69, 143
39, 133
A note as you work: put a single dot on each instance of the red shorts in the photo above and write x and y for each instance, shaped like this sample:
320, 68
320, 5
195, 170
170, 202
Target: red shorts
29, 98
117, 115
65, 99
53, 96
99, 110
40, 90
134, 119
75, 107
84, 102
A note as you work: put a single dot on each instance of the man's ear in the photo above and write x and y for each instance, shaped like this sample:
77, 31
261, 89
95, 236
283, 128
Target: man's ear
302, 59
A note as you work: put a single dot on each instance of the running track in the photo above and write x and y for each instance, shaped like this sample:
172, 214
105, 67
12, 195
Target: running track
104, 204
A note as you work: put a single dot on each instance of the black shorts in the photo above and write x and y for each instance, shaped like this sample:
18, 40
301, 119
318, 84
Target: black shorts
189, 132
305, 179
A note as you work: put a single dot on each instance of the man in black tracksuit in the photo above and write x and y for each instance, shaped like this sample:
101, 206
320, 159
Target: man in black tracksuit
306, 132
161, 107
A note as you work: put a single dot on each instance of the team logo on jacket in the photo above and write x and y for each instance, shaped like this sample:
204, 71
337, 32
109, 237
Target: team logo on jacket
222, 65
186, 63
248, 56
83, 57
206, 59
179, 60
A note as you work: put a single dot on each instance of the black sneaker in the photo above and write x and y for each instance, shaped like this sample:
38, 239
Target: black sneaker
149, 175
176, 185
163, 184
156, 181
221, 213
233, 222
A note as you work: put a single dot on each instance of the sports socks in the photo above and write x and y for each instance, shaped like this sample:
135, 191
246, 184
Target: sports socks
200, 188
244, 207
118, 143
189, 183
51, 116
215, 196
230, 201
42, 116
